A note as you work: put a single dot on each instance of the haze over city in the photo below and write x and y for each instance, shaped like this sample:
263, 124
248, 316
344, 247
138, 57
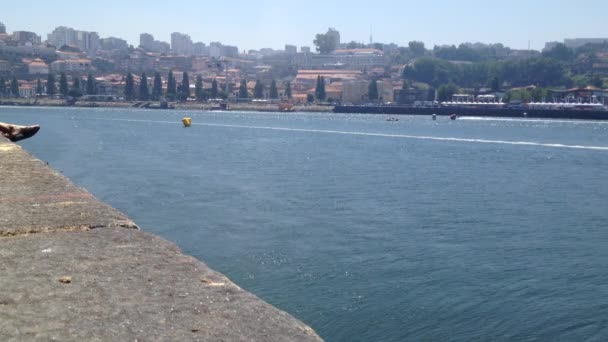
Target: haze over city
273, 23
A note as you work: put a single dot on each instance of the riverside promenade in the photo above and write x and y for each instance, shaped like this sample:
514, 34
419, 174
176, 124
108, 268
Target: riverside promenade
75, 269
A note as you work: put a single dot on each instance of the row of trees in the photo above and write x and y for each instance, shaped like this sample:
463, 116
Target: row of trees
558, 67
9, 88
537, 94
77, 89
181, 91
540, 71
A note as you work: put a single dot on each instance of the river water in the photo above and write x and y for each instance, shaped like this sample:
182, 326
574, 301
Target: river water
365, 229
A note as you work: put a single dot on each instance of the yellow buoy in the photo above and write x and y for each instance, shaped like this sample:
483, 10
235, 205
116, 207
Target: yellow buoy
187, 121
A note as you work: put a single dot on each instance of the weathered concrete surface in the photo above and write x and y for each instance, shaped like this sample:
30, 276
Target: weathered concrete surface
35, 198
118, 284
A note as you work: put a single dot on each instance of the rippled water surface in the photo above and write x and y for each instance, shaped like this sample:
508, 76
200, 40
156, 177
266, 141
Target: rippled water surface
367, 230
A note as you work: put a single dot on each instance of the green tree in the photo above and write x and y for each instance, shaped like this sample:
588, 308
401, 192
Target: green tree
560, 52
274, 92
171, 86
39, 88
417, 48
288, 90
198, 88
144, 93
431, 71
157, 89
544, 71
75, 91
373, 90
310, 98
50, 85
354, 45
258, 90
129, 87
446, 91
243, 93
63, 84
2, 86
596, 81
91, 87
320, 89
461, 53
430, 96
214, 91
522, 95
15, 87
495, 84
76, 83
185, 88
327, 42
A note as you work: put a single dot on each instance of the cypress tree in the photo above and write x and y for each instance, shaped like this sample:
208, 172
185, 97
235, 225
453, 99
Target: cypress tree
15, 87
63, 84
274, 93
2, 86
39, 89
144, 94
214, 90
51, 89
157, 90
75, 91
171, 86
91, 88
288, 90
320, 90
129, 87
243, 93
258, 90
372, 92
76, 83
198, 88
185, 89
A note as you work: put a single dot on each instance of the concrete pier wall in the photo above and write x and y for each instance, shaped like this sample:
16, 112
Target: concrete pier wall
75, 269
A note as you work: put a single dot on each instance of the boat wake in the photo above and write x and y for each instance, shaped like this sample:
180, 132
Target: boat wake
384, 135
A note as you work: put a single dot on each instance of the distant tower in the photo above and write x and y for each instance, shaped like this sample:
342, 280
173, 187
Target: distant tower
371, 36
2, 28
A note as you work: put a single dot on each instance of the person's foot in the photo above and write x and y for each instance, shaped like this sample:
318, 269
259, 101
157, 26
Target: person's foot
21, 132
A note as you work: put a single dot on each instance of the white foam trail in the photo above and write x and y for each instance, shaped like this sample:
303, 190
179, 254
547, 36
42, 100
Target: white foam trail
385, 135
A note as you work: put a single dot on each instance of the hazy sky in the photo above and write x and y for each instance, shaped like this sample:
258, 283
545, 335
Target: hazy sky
273, 23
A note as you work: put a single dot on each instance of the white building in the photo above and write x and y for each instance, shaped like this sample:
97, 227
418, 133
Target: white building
291, 50
181, 44
355, 91
26, 90
62, 36
71, 66
25, 38
215, 50
578, 42
85, 41
38, 67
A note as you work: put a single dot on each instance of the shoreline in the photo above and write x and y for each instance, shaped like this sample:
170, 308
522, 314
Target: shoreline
254, 107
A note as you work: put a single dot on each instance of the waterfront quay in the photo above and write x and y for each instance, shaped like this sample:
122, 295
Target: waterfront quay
75, 269
475, 112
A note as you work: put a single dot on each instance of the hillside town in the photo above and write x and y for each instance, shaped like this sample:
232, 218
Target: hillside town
81, 64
